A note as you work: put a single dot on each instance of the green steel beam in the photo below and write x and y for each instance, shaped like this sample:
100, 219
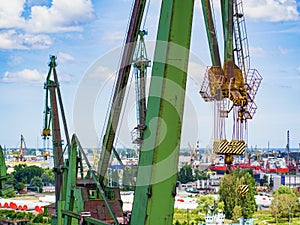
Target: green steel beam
158, 164
71, 181
4, 189
120, 88
211, 33
227, 19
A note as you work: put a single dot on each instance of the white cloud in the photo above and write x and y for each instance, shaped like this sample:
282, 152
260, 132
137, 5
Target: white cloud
257, 52
26, 75
100, 72
61, 16
11, 39
21, 24
65, 57
113, 36
10, 13
283, 51
271, 10
266, 10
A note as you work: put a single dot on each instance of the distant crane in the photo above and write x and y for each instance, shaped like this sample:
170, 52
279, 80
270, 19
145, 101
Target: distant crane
232, 86
19, 154
140, 63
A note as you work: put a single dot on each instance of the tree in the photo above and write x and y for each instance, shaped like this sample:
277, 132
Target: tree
200, 175
185, 174
37, 182
206, 203
24, 173
48, 176
284, 190
230, 195
237, 213
19, 186
275, 209
249, 200
47, 179
284, 203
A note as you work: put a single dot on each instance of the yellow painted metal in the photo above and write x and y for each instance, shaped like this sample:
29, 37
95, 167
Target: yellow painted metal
235, 147
243, 189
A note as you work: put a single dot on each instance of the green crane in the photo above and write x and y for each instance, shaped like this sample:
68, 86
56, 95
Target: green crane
4, 188
92, 195
90, 200
51, 121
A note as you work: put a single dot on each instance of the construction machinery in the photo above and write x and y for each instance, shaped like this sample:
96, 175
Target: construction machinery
19, 153
90, 193
4, 188
231, 86
141, 63
69, 173
53, 102
88, 199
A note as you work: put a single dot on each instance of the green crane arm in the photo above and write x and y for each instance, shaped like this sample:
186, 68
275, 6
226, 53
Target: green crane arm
158, 164
119, 92
4, 188
211, 33
227, 20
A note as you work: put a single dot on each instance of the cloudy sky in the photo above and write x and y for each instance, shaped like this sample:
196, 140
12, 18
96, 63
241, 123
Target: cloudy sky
87, 37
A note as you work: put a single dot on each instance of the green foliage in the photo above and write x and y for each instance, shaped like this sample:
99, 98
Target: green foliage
231, 197
37, 182
237, 213
48, 176
249, 201
24, 173
11, 181
5, 214
19, 186
207, 203
185, 174
284, 190
177, 223
200, 175
283, 205
296, 192
38, 219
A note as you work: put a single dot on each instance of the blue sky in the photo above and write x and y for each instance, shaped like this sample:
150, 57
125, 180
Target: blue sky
85, 34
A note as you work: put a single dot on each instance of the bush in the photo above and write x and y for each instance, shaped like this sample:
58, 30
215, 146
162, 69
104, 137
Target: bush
38, 219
